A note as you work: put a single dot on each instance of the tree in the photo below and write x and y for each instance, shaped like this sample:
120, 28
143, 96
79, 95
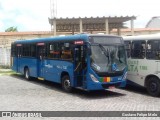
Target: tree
11, 29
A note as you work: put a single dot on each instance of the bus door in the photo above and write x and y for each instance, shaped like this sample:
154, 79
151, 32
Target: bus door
40, 60
80, 65
19, 55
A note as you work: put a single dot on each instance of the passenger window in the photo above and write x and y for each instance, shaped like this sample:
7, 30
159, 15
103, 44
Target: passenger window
153, 49
128, 48
66, 51
138, 49
33, 50
13, 50
54, 51
26, 50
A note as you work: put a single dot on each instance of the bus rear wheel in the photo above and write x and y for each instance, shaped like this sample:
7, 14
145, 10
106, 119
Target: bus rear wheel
66, 85
26, 73
153, 86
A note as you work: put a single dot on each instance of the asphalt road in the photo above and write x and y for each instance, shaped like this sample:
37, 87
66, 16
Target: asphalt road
18, 94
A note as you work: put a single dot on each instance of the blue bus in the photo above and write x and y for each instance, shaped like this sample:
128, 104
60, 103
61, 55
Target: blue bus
88, 62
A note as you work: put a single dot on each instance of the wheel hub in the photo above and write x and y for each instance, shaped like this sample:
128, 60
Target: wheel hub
153, 86
27, 74
67, 84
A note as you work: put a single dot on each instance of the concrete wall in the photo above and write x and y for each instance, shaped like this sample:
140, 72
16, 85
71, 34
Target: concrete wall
6, 38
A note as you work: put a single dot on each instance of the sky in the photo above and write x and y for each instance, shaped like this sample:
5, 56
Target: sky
32, 15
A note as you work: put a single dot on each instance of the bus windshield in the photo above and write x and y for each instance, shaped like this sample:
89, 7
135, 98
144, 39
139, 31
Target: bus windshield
104, 56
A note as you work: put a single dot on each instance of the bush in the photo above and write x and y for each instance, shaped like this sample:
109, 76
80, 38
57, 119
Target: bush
5, 67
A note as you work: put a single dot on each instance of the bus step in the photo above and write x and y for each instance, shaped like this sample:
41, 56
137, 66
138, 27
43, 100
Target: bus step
39, 78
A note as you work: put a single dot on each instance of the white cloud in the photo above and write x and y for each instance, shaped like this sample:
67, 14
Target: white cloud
26, 15
33, 14
144, 10
1, 24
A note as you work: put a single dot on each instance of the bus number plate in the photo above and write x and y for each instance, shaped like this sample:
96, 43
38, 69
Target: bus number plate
111, 87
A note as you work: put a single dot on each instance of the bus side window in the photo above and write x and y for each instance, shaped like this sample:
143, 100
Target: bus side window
149, 53
66, 51
128, 48
153, 49
13, 50
26, 50
138, 49
33, 50
143, 49
54, 51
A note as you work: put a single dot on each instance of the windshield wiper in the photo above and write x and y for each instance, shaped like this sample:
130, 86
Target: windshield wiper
106, 53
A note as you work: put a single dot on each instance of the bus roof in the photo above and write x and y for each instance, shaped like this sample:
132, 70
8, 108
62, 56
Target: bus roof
143, 37
62, 38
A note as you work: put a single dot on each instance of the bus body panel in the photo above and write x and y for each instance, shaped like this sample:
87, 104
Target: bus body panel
54, 68
40, 68
139, 69
23, 62
32, 66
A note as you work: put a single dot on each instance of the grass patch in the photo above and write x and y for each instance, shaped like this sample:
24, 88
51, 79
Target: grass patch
6, 72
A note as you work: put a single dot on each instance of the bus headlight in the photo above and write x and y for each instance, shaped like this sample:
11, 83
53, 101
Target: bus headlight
125, 76
94, 79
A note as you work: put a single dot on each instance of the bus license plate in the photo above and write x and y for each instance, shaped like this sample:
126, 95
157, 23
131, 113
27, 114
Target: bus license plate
111, 87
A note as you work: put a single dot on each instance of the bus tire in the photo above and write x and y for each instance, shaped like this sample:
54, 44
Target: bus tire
26, 73
66, 85
153, 86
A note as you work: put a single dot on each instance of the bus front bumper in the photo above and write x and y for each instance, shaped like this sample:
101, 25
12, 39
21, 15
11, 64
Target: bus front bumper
103, 86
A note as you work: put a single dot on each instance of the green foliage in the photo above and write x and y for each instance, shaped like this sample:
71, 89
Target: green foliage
11, 29
5, 67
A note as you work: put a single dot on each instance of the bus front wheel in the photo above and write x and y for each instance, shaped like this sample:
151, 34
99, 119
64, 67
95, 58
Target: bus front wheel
26, 73
153, 86
66, 83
